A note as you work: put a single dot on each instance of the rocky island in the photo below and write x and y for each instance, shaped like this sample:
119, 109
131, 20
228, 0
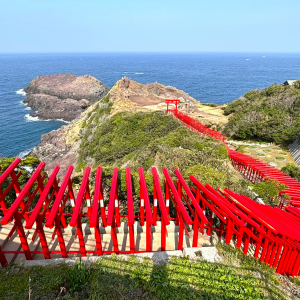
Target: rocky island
63, 96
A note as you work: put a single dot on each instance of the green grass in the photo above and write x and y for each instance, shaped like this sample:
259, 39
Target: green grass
277, 148
267, 150
210, 104
237, 277
280, 158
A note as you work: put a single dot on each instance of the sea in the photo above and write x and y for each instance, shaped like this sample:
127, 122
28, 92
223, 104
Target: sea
208, 77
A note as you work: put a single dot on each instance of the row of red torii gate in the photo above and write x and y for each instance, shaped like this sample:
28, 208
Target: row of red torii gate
48, 204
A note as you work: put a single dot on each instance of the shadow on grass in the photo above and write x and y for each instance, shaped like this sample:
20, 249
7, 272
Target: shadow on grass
113, 278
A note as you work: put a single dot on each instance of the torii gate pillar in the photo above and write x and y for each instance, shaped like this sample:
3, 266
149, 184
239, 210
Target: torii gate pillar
171, 101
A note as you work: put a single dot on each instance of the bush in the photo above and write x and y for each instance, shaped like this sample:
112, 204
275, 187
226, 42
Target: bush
292, 170
268, 189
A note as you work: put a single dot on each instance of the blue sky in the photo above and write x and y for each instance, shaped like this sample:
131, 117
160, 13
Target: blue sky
149, 25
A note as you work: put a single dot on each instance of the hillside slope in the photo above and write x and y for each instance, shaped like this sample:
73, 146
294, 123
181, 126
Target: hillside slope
60, 147
272, 115
140, 138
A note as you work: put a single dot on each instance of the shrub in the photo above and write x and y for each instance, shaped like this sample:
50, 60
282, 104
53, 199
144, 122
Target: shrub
292, 170
272, 115
268, 189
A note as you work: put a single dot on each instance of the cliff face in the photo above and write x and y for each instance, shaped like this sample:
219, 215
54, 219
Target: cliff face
63, 96
61, 147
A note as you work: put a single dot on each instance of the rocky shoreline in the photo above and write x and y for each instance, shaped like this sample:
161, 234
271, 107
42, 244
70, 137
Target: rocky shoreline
63, 96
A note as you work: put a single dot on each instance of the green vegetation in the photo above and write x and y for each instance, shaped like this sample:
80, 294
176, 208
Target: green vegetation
272, 115
261, 154
283, 153
292, 170
277, 148
267, 150
154, 139
268, 190
280, 158
26, 166
243, 149
210, 104
237, 277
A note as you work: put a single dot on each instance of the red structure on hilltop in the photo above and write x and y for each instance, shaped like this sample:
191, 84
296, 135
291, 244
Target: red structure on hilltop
170, 101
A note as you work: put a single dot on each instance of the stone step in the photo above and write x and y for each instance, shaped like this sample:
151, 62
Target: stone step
72, 243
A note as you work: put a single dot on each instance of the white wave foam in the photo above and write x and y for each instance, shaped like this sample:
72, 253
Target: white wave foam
28, 108
24, 153
21, 92
139, 73
29, 118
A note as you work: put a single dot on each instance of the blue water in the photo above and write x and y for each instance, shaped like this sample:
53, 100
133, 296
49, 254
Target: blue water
208, 77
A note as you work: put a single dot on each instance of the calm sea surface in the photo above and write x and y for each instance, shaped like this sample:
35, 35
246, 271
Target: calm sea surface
208, 77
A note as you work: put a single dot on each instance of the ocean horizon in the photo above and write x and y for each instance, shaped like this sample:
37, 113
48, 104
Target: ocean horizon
215, 77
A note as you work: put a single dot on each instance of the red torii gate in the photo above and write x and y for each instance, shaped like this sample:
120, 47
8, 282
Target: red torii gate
172, 101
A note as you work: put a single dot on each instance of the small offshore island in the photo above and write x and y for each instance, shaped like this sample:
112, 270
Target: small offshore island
63, 96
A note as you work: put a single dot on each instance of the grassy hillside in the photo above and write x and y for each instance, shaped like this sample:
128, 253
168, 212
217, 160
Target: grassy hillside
272, 115
237, 277
154, 139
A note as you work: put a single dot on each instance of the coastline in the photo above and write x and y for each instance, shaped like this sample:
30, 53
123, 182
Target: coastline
28, 117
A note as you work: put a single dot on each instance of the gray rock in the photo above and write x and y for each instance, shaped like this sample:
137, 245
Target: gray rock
63, 96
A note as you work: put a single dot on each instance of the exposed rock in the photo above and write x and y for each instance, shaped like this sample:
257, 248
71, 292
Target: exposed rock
51, 107
134, 96
63, 96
